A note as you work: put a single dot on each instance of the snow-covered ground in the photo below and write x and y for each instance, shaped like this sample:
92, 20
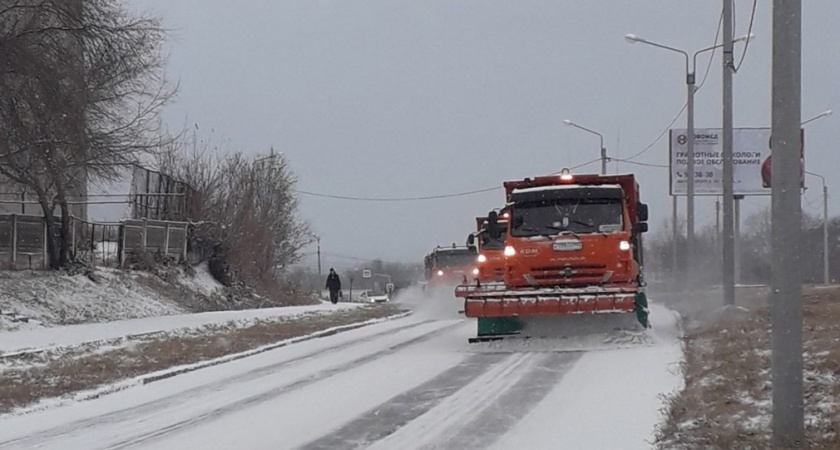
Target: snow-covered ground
407, 383
45, 298
75, 335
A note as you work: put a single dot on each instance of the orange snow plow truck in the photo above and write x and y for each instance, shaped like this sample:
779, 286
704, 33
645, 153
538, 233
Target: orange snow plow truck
573, 246
491, 259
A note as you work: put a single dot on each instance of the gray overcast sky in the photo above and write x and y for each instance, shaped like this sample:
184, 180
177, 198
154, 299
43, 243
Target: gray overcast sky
409, 98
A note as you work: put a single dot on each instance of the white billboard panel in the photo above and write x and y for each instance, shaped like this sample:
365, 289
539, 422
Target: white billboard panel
751, 161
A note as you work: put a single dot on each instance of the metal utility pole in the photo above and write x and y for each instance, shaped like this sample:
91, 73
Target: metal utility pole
319, 256
689, 198
736, 207
826, 272
676, 236
728, 241
601, 136
786, 296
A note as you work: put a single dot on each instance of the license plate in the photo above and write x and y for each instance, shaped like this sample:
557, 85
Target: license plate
567, 246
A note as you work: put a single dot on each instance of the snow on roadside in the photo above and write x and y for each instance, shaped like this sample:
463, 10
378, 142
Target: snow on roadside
202, 282
75, 335
29, 300
91, 394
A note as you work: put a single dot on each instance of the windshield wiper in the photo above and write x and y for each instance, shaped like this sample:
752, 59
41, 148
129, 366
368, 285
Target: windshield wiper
537, 230
584, 224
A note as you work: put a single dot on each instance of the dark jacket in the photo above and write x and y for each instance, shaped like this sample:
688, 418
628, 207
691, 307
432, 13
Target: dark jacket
333, 282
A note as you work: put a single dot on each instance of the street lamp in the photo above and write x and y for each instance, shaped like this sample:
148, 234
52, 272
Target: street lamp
825, 227
603, 149
690, 81
826, 274
825, 113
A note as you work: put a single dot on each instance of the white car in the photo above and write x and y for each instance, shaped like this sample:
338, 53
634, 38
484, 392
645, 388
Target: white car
375, 297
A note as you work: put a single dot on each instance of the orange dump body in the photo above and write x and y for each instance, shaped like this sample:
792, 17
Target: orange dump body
572, 246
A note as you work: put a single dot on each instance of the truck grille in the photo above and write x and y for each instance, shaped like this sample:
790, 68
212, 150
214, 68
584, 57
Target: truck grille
569, 274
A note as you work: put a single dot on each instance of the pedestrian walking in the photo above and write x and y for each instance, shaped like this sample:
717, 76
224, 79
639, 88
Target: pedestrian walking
334, 286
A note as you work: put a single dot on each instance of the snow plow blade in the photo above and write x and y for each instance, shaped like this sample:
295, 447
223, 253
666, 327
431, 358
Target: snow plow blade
548, 313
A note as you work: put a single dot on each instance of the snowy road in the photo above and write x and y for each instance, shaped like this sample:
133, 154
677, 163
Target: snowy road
403, 384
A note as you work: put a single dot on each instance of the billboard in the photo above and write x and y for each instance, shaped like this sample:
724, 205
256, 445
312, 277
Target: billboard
751, 161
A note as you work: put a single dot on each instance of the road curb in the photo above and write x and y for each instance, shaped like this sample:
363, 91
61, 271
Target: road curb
180, 370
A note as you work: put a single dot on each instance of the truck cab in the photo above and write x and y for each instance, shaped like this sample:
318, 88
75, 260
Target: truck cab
573, 232
490, 239
450, 266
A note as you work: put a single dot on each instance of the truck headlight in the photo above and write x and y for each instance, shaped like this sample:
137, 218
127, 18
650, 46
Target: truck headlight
475, 271
482, 258
510, 251
440, 273
624, 245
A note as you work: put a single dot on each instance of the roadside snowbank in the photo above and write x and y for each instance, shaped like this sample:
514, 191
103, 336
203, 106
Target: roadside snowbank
36, 340
34, 299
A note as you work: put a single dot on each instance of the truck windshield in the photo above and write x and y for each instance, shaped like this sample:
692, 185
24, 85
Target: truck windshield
455, 258
551, 217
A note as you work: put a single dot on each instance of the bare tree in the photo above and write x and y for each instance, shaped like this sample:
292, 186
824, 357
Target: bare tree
83, 88
255, 230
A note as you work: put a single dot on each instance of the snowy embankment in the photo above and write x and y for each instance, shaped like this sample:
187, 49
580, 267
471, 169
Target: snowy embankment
44, 339
47, 312
33, 300
30, 300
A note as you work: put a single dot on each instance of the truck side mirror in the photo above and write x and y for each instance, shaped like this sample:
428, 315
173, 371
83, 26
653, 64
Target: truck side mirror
471, 240
642, 227
642, 212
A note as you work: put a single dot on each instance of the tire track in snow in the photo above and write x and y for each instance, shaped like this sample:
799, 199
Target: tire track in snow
497, 418
144, 409
216, 413
386, 419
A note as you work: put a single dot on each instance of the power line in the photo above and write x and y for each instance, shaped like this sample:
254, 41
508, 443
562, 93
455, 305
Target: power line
749, 31
685, 105
420, 198
581, 165
396, 199
658, 138
712, 57
660, 166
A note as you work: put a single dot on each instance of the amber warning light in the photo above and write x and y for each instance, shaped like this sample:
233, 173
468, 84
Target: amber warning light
565, 175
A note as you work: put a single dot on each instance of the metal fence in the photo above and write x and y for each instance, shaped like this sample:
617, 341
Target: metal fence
23, 241
160, 237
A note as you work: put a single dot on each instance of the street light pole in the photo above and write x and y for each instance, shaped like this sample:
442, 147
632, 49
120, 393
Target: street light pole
826, 271
691, 87
601, 136
826, 274
728, 162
